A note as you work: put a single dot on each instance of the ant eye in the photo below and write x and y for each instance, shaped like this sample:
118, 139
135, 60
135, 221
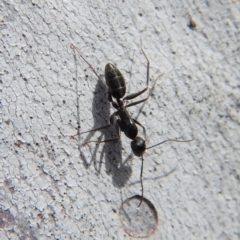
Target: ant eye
138, 146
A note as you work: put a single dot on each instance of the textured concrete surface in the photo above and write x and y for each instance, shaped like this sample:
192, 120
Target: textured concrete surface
51, 186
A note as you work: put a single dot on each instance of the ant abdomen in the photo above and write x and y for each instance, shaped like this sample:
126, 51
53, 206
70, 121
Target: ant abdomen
115, 81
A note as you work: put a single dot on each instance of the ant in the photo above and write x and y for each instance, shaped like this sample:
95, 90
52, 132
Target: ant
121, 119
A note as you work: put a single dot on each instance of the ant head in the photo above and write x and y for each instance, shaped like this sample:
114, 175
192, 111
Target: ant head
138, 146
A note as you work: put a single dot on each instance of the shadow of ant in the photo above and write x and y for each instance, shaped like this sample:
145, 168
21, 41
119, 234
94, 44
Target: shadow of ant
111, 151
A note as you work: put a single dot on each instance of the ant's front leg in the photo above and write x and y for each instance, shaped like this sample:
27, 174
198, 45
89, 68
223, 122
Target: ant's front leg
134, 95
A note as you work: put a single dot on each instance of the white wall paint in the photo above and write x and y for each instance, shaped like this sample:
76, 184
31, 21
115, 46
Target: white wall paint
51, 187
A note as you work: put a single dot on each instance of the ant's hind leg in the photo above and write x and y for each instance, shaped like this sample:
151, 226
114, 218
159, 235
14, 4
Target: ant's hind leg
148, 64
134, 95
85, 60
135, 103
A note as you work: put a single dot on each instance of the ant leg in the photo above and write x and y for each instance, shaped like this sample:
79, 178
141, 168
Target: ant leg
85, 60
147, 82
138, 123
135, 103
109, 139
112, 117
106, 140
134, 95
92, 130
148, 63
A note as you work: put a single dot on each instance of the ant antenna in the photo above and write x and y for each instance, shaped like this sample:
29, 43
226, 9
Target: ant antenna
170, 140
141, 174
141, 182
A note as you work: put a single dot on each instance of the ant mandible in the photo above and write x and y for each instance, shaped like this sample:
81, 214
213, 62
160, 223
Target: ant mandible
121, 118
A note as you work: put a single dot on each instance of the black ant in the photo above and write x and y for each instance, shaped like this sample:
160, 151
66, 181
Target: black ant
121, 118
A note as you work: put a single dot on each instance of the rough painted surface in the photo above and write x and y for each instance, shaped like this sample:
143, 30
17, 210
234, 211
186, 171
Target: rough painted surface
51, 186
